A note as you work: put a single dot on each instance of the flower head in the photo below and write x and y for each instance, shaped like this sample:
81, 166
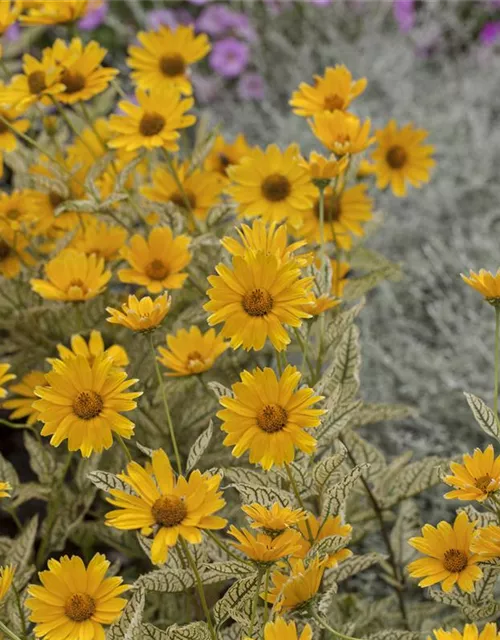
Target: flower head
341, 132
100, 239
320, 530
191, 352
55, 11
224, 154
142, 315
91, 350
275, 519
295, 590
322, 170
5, 490
477, 478
8, 139
486, 542
229, 57
9, 13
470, 632
279, 629
13, 251
6, 577
22, 405
4, 377
486, 283
263, 548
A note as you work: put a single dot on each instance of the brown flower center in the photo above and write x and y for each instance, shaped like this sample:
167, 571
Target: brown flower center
73, 81
3, 127
180, 200
5, 250
224, 163
169, 511
88, 405
157, 270
36, 82
77, 282
79, 607
55, 199
272, 418
454, 560
276, 187
332, 208
194, 359
151, 124
13, 214
333, 102
396, 157
483, 483
172, 65
257, 302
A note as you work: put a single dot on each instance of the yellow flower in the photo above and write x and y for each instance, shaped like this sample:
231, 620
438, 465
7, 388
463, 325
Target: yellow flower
269, 418
158, 262
5, 490
449, 558
477, 478
92, 350
470, 632
23, 405
282, 630
83, 403
201, 189
4, 377
100, 239
25, 211
72, 275
89, 145
6, 577
339, 279
295, 590
9, 13
223, 154
486, 283
332, 526
263, 548
8, 139
167, 507
272, 184
191, 352
322, 303
341, 132
275, 519
165, 55
323, 169
55, 11
486, 542
401, 157
74, 601
255, 298
12, 252
142, 315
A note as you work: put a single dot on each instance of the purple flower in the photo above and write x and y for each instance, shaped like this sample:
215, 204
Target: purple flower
95, 16
404, 13
168, 18
199, 1
229, 57
251, 86
13, 32
219, 20
321, 3
490, 33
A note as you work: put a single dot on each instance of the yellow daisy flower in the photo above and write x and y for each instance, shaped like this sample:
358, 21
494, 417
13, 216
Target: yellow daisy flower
158, 262
269, 418
24, 211
100, 239
477, 478
89, 145
322, 303
191, 352
449, 558
295, 590
342, 133
272, 184
13, 252
167, 507
486, 283
486, 542
8, 139
6, 578
275, 519
334, 90
263, 548
153, 122
4, 377
255, 298
320, 529
165, 55
5, 490
75, 601
400, 157
279, 629
55, 11
72, 275
83, 403
470, 632
322, 170
25, 390
339, 280
142, 315
92, 350
224, 154
9, 13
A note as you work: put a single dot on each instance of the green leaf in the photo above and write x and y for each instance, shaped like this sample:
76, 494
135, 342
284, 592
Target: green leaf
220, 571
336, 495
337, 419
31, 491
372, 413
220, 390
395, 634
193, 631
353, 565
266, 496
42, 460
233, 598
199, 447
329, 545
242, 475
165, 580
8, 473
323, 471
481, 518
106, 481
357, 287
20, 552
128, 627
406, 526
363, 451
484, 416
413, 479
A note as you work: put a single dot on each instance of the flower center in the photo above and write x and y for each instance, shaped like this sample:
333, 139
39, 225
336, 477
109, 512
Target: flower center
224, 162
73, 81
5, 250
36, 82
156, 270
151, 124
257, 302
483, 483
333, 102
180, 200
396, 157
88, 405
13, 214
79, 607
195, 361
169, 511
80, 284
276, 187
172, 65
272, 418
331, 208
454, 560
55, 199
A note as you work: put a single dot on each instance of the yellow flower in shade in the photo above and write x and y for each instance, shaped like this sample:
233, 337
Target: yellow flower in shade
342, 133
334, 90
72, 275
5, 489
269, 418
22, 406
477, 478
332, 526
163, 59
201, 190
167, 507
323, 169
262, 548
4, 378
55, 11
282, 630
486, 542
158, 262
295, 590
25, 211
191, 352
400, 157
486, 283
142, 315
75, 601
90, 144
9, 13
449, 558
275, 519
224, 154
91, 350
83, 404
12, 251
8, 139
153, 122
470, 632
255, 298
6, 577
100, 239
272, 184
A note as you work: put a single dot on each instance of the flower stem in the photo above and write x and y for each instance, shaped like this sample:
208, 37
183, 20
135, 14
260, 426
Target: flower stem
266, 591
10, 634
321, 222
255, 601
299, 500
497, 346
21, 612
225, 548
124, 447
279, 362
323, 623
303, 348
199, 586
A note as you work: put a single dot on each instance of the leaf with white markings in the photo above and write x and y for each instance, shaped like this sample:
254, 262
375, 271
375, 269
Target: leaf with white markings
128, 627
236, 593
8, 473
199, 447
353, 565
336, 495
220, 390
106, 481
328, 546
165, 580
323, 471
42, 460
266, 496
484, 416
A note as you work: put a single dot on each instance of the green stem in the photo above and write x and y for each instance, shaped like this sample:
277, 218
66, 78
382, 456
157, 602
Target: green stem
225, 548
116, 86
255, 601
71, 126
323, 623
497, 345
10, 634
21, 612
303, 348
124, 447
299, 500
266, 591
199, 586
279, 362
321, 222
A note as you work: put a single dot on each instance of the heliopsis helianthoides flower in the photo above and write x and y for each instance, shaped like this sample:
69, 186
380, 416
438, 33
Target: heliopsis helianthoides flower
100, 239
486, 542
72, 275
8, 139
269, 417
191, 352
486, 283
200, 189
322, 170
158, 262
163, 59
265, 549
255, 298
272, 184
5, 376
142, 315
319, 530
279, 629
9, 13
92, 349
225, 154
22, 405
295, 590
470, 632
6, 577
5, 489
342, 133
13, 251
400, 157
273, 520
75, 601
83, 404
153, 122
450, 559
55, 11
165, 506
477, 478
25, 211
